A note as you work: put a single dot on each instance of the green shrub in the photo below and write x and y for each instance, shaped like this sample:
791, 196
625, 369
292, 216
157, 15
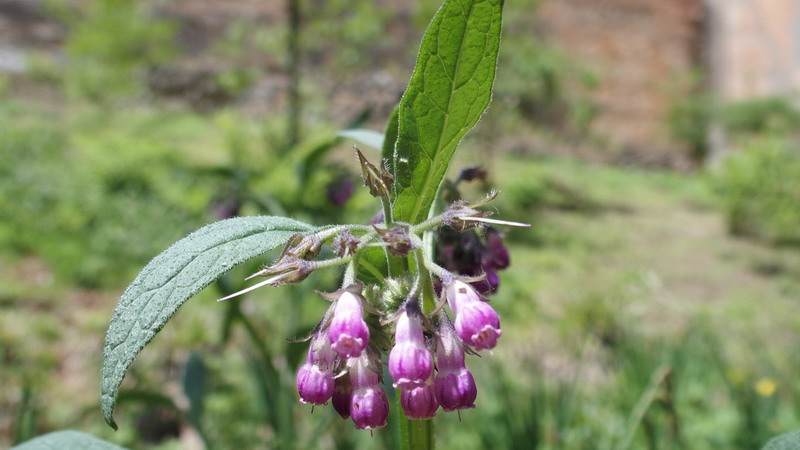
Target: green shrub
73, 199
111, 44
760, 191
769, 114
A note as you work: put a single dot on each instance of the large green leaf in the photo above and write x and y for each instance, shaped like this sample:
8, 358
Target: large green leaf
449, 90
173, 277
66, 440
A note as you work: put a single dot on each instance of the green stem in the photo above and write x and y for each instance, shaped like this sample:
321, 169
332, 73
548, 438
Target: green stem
426, 284
387, 212
414, 434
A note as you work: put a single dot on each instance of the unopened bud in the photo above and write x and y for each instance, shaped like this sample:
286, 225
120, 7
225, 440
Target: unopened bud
287, 270
302, 246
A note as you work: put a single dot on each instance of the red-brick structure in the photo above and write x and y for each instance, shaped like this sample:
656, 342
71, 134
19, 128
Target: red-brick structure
643, 53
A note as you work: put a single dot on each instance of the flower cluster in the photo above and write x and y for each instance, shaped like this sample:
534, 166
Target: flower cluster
426, 362
395, 320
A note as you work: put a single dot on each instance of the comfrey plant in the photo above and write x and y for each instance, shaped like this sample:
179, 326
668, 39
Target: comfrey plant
407, 303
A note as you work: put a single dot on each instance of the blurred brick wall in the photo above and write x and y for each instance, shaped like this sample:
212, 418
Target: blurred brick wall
642, 52
758, 49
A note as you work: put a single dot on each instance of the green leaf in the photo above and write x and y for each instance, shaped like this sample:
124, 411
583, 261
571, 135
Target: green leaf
370, 138
195, 377
449, 90
173, 277
67, 440
787, 441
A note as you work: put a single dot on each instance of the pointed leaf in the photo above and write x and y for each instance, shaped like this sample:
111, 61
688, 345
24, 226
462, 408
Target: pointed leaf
449, 90
173, 277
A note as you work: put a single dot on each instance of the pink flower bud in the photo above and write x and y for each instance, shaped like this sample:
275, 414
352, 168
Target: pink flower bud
315, 377
410, 363
348, 332
342, 392
369, 406
477, 324
419, 402
454, 386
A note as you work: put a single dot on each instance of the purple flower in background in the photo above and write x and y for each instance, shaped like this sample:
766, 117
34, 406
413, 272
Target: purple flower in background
340, 190
477, 323
410, 362
454, 386
467, 254
369, 406
419, 402
348, 332
315, 376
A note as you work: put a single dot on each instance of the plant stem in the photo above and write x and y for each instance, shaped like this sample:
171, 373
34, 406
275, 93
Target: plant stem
414, 434
645, 400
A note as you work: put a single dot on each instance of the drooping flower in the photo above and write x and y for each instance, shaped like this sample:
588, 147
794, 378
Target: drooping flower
477, 323
420, 402
342, 392
315, 377
410, 362
490, 282
496, 255
369, 406
348, 332
453, 385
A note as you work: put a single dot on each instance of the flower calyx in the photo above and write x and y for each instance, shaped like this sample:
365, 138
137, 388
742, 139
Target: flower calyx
302, 246
379, 181
397, 240
345, 244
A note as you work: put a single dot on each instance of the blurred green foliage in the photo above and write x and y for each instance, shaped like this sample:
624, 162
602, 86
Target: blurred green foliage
761, 115
73, 197
111, 45
760, 190
688, 121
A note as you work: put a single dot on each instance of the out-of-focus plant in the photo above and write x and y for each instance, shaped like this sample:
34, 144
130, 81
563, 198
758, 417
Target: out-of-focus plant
390, 265
111, 44
774, 115
688, 120
760, 190
90, 197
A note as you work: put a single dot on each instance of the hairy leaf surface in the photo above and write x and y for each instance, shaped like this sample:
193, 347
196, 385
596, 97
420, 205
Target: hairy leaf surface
173, 277
67, 439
